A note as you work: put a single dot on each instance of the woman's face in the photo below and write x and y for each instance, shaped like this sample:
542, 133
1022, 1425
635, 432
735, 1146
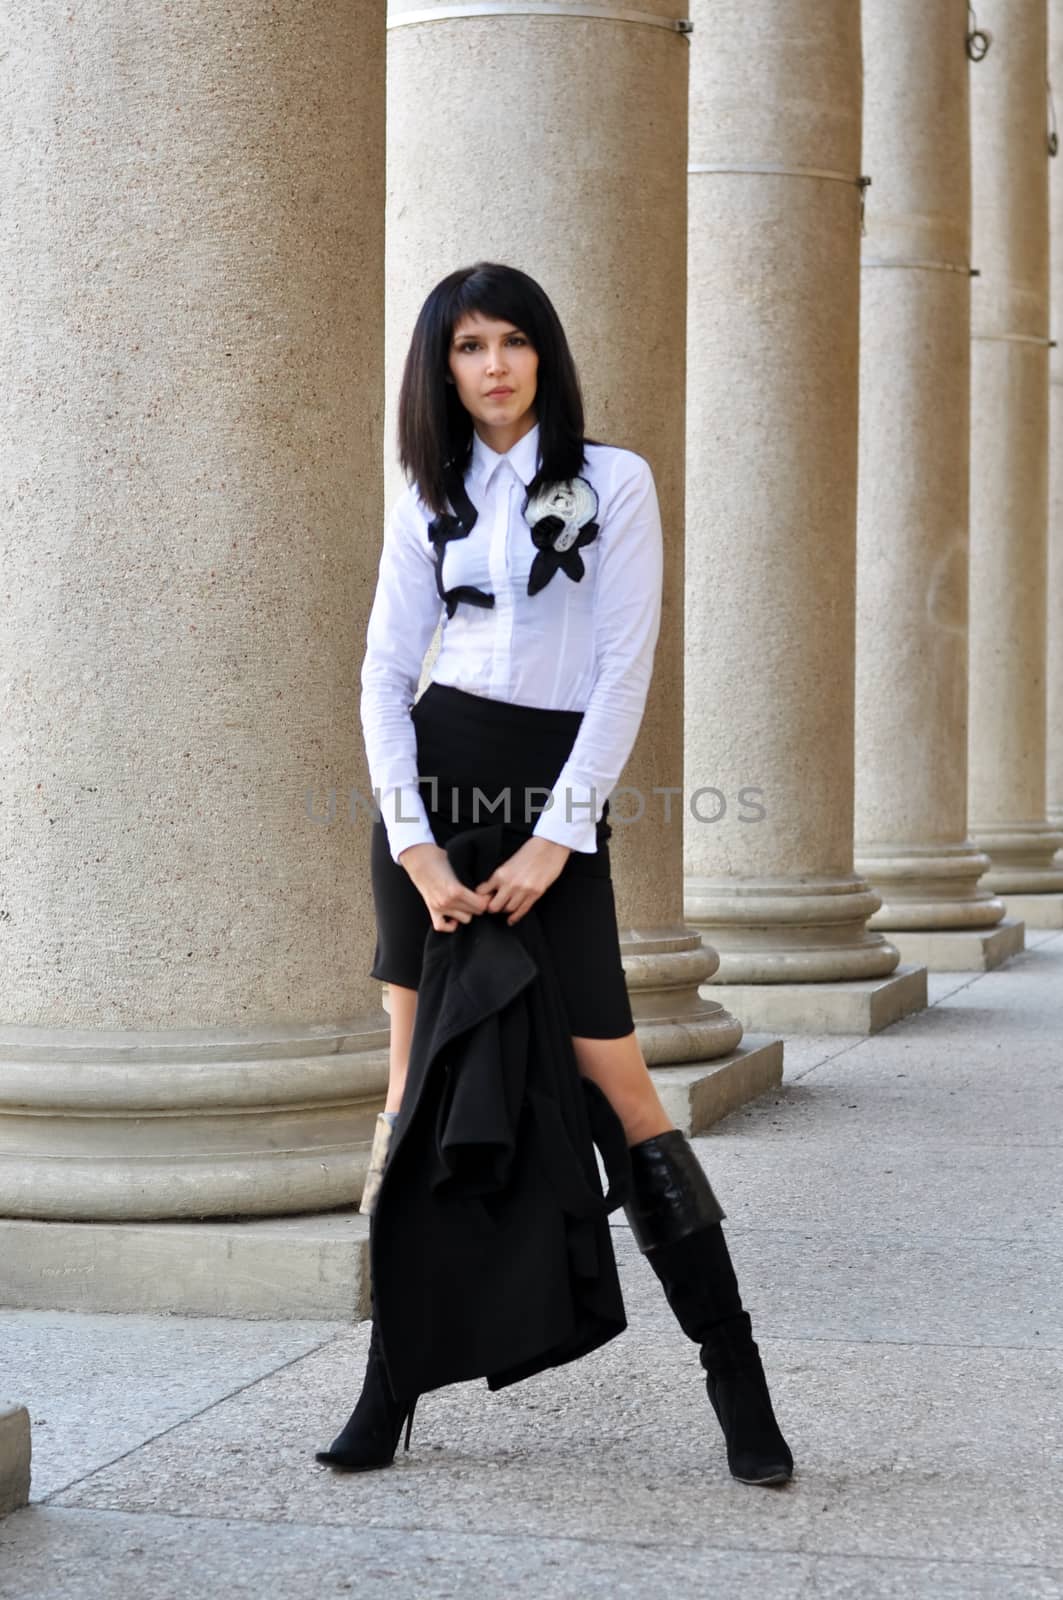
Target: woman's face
494, 368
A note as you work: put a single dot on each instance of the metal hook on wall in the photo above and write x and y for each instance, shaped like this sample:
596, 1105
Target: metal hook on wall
978, 39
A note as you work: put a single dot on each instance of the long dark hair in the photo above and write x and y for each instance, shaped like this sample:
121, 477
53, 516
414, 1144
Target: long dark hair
435, 430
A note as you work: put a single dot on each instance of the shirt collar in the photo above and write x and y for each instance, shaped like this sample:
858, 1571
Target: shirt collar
523, 458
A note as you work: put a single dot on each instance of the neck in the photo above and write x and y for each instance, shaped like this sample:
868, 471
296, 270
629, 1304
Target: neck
504, 436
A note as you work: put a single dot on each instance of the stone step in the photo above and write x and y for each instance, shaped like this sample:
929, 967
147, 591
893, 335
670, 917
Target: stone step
14, 1457
296, 1267
697, 1094
960, 949
859, 1005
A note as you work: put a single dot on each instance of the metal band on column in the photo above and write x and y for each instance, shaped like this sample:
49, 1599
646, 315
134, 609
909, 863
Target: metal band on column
530, 8
1017, 338
923, 266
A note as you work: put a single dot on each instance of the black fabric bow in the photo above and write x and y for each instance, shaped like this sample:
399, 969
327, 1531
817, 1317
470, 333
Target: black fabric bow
445, 527
548, 560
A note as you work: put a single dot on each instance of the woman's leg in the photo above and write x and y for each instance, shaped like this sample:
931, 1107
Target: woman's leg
403, 1004
371, 1433
619, 1069
676, 1221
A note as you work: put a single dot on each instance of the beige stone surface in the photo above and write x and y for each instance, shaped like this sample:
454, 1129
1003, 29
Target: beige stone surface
278, 1267
568, 160
699, 1094
191, 294
1055, 455
1037, 910
771, 493
15, 1446
855, 1007
911, 642
186, 1122
663, 968
1009, 454
962, 949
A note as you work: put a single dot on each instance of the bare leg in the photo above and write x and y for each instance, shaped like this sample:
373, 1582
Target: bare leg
617, 1066
403, 1007
619, 1069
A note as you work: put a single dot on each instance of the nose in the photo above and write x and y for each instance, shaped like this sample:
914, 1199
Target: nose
496, 360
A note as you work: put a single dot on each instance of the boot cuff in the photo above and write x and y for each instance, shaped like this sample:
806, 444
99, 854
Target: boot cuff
670, 1194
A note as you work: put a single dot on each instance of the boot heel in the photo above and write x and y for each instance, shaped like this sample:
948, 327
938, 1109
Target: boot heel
372, 1432
409, 1421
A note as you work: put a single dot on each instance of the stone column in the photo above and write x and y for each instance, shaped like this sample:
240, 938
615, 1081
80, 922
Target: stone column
771, 511
15, 1447
191, 299
911, 650
1055, 453
1009, 464
564, 154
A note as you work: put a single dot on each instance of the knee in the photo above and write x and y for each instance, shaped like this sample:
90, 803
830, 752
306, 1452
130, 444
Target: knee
619, 1069
644, 1119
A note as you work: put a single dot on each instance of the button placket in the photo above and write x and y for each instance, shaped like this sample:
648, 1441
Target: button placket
501, 582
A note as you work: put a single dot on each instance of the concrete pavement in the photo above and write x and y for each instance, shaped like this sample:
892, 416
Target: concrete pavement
894, 1213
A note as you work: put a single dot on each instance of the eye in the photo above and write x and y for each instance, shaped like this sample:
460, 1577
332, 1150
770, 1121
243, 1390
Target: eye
517, 338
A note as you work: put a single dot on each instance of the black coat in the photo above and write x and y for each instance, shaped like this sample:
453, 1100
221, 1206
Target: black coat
491, 1254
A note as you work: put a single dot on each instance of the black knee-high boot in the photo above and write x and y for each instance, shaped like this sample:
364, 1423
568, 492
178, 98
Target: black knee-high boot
675, 1218
370, 1436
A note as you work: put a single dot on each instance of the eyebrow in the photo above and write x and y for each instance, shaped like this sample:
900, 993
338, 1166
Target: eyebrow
460, 338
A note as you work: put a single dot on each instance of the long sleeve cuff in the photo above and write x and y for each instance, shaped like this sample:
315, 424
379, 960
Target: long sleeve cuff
405, 818
572, 819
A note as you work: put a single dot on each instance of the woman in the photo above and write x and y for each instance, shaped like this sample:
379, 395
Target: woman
544, 550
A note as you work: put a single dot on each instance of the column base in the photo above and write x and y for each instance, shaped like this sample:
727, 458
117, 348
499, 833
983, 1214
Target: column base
284, 1267
14, 1458
863, 1006
1037, 910
700, 1093
788, 930
118, 1126
277, 1267
664, 968
962, 949
927, 888
1021, 860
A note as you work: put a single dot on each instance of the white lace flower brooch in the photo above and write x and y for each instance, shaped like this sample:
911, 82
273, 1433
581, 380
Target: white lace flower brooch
561, 517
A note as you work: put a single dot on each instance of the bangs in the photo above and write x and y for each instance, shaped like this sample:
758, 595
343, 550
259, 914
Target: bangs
493, 295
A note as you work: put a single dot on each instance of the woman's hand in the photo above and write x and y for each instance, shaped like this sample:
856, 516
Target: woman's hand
517, 882
448, 900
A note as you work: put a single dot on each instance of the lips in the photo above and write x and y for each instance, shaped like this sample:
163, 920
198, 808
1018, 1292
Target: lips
498, 394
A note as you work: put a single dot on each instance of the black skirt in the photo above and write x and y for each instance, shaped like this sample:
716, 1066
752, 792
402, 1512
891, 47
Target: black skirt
481, 754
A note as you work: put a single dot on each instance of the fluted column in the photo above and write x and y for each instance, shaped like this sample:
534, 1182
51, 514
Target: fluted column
1055, 454
911, 652
1009, 462
562, 151
191, 355
771, 499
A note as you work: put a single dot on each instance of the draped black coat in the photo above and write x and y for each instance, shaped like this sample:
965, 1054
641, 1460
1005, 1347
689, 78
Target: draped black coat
490, 1248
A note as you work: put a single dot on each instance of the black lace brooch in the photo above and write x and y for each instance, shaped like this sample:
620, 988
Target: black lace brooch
562, 522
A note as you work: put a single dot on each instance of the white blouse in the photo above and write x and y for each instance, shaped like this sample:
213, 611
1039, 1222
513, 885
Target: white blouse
585, 645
